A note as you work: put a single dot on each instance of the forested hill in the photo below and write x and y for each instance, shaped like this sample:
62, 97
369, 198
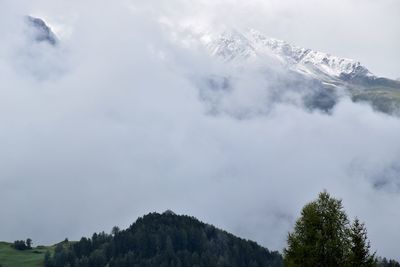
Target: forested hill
163, 240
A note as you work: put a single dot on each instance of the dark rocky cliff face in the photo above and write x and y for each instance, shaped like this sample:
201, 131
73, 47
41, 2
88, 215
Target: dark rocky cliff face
41, 32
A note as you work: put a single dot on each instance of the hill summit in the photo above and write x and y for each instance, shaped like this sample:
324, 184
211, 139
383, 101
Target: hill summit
164, 239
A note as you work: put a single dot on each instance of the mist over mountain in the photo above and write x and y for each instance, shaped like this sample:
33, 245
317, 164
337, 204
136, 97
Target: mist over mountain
40, 30
111, 110
319, 78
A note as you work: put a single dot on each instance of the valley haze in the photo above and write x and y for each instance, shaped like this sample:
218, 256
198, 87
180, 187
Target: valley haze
130, 109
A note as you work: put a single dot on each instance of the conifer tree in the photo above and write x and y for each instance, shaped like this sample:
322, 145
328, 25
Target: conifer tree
360, 255
323, 237
320, 237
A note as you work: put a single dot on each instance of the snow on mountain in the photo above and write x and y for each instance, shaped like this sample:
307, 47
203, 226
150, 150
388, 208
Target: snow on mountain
251, 44
230, 45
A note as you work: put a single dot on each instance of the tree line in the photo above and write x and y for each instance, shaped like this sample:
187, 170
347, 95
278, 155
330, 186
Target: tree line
22, 245
323, 236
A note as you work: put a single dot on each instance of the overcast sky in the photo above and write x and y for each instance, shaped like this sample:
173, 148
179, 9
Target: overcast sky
109, 125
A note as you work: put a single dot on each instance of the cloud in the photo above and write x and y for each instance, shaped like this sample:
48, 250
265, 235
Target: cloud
122, 131
358, 29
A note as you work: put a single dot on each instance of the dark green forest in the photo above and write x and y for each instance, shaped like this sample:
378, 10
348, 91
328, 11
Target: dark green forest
163, 240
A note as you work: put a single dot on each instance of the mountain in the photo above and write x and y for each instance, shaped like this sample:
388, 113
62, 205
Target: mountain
163, 240
329, 73
40, 31
252, 43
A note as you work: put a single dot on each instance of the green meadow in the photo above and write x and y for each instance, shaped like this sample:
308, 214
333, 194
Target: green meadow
10, 257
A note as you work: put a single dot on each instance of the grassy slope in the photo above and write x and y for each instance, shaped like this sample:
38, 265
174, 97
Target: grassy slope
10, 257
383, 99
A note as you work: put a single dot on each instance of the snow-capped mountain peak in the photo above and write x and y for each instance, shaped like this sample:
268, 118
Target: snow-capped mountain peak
229, 45
233, 44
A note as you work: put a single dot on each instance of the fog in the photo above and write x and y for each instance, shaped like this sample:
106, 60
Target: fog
111, 124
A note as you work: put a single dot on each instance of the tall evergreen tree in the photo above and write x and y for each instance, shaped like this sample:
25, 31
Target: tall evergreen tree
360, 255
323, 237
320, 237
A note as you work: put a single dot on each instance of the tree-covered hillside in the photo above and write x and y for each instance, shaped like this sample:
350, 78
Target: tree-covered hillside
163, 240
